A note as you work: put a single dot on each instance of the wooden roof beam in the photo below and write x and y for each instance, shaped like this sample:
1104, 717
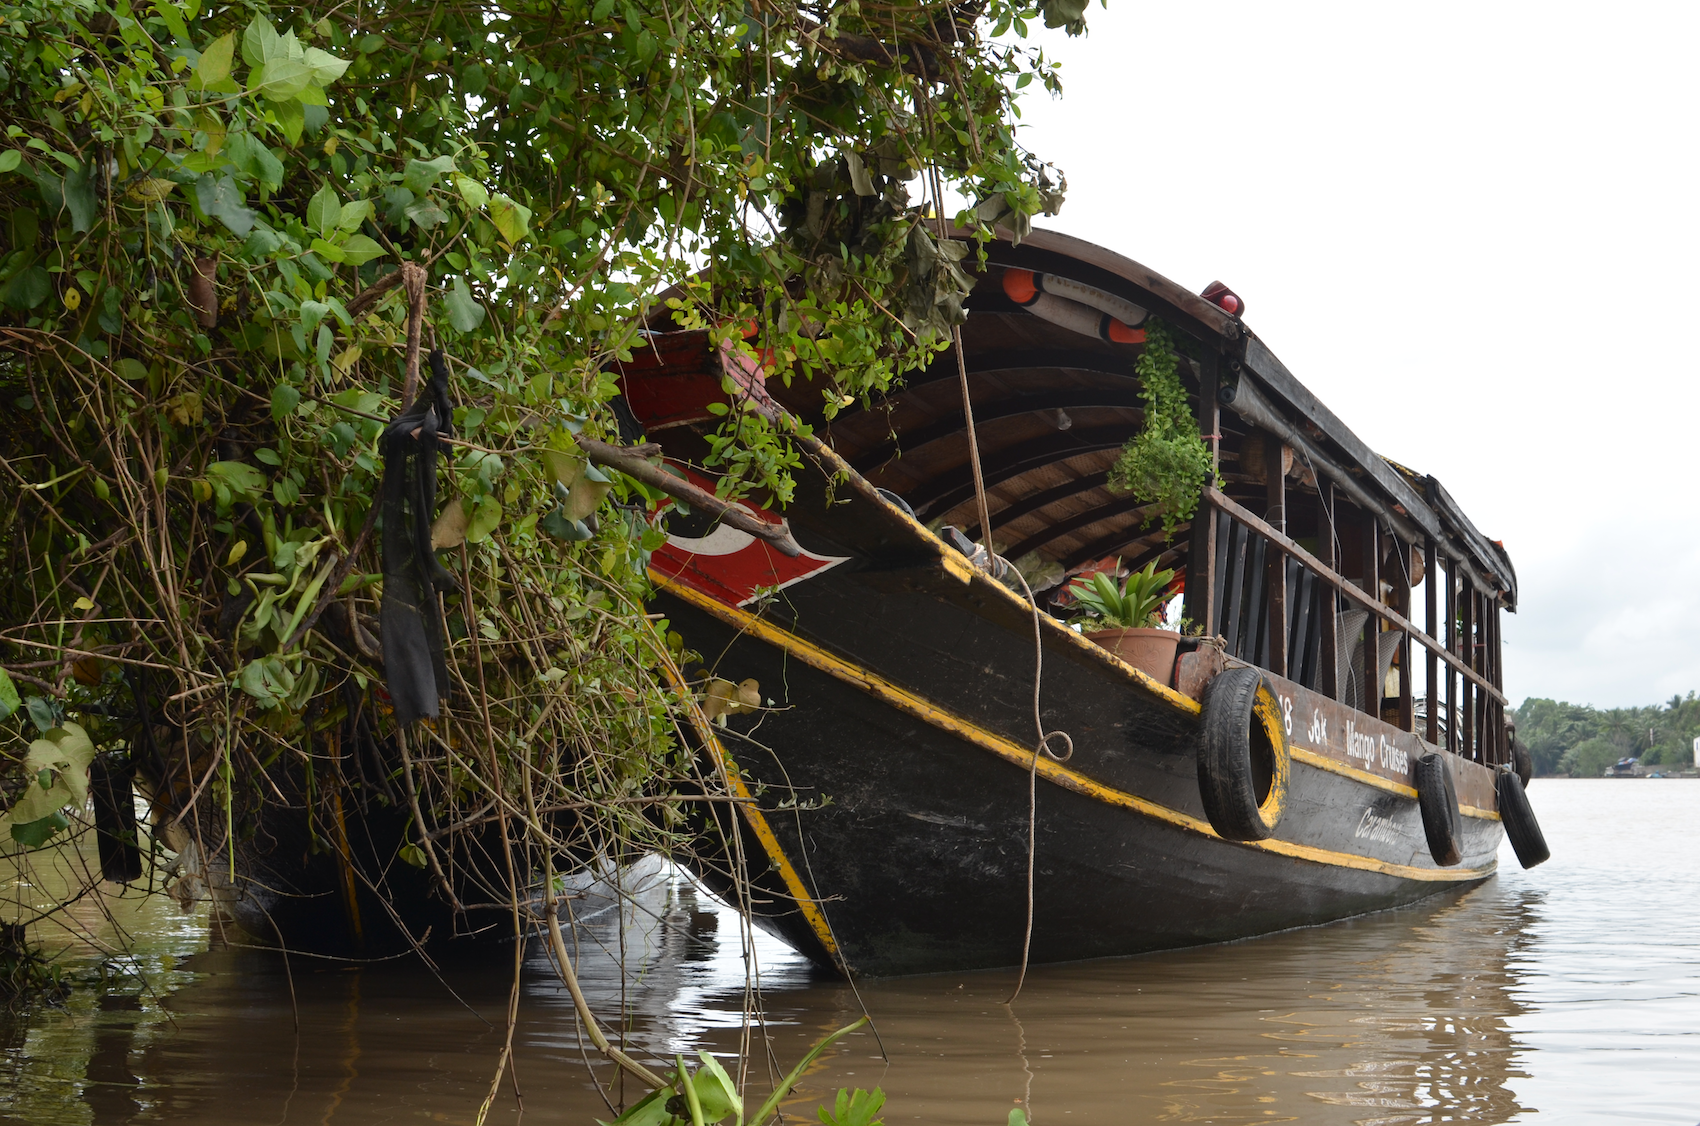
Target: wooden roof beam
953, 423
949, 489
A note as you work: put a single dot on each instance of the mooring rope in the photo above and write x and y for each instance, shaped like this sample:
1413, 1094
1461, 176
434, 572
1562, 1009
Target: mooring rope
1044, 744
992, 562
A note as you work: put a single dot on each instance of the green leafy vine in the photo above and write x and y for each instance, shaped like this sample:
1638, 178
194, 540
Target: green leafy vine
1166, 463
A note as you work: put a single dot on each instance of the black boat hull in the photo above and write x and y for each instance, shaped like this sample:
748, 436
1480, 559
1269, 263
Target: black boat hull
891, 784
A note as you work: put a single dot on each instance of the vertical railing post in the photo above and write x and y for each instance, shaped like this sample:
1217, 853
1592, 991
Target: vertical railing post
1467, 633
1330, 601
1275, 563
1371, 702
1454, 732
1497, 678
1401, 602
1431, 618
1201, 569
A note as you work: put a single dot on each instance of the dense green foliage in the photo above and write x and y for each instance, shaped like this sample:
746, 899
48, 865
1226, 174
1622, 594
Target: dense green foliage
202, 210
1582, 741
1166, 463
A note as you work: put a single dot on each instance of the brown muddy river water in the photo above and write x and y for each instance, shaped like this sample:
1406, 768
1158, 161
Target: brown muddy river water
1570, 994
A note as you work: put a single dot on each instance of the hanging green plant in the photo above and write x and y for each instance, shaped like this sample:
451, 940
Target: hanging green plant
1166, 463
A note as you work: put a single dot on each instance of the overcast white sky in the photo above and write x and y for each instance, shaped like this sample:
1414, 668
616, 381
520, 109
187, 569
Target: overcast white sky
1470, 229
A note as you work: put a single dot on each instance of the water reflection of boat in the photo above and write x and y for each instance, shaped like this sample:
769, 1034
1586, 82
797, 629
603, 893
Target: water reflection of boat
1398, 1018
892, 768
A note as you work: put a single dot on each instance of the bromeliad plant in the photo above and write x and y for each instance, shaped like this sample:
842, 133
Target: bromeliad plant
1134, 604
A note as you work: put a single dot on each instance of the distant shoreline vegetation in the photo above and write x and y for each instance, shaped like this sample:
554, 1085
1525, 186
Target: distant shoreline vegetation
1582, 741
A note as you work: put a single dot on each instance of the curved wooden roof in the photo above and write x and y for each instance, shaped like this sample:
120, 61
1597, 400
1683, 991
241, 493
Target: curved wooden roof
1052, 408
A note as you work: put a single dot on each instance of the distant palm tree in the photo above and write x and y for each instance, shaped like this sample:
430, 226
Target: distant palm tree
1618, 727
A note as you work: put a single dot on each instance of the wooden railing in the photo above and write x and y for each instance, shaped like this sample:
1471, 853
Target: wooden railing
1280, 606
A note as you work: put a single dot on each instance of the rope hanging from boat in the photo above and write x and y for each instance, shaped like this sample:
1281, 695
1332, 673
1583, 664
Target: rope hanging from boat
1044, 744
992, 563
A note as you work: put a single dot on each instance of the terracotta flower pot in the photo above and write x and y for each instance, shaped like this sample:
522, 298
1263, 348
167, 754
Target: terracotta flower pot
1151, 651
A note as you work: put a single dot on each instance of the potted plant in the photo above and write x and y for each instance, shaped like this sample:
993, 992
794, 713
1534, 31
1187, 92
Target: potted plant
1124, 618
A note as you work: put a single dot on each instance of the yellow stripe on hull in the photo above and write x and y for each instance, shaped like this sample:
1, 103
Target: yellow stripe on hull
1053, 772
764, 833
1333, 766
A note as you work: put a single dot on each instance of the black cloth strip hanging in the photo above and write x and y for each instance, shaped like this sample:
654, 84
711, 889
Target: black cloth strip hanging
415, 671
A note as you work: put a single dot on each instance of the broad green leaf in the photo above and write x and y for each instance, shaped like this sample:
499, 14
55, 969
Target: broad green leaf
214, 66
291, 118
426, 213
268, 680
564, 466
328, 252
68, 750
359, 250
286, 46
325, 68
716, 1093
261, 242
484, 519
281, 80
324, 210
243, 480
587, 493
512, 219
10, 159
173, 19
34, 834
265, 166
651, 1110
419, 175
44, 713
354, 213
221, 199
312, 312
28, 288
470, 190
9, 701
563, 527
259, 41
854, 1108
284, 400
465, 313
366, 402
80, 199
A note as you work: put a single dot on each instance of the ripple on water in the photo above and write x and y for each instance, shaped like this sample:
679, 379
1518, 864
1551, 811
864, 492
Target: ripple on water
1569, 994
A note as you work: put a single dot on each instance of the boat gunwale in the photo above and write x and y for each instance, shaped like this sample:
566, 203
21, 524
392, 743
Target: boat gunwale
894, 695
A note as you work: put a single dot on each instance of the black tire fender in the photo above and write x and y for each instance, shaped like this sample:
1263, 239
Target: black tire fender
1243, 758
1437, 797
1518, 818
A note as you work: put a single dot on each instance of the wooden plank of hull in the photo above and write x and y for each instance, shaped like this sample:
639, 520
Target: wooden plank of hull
919, 859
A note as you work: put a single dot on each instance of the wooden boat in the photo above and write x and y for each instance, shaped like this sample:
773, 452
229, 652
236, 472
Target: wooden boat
888, 754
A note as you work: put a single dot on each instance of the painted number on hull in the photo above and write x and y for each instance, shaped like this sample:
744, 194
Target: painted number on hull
1368, 749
